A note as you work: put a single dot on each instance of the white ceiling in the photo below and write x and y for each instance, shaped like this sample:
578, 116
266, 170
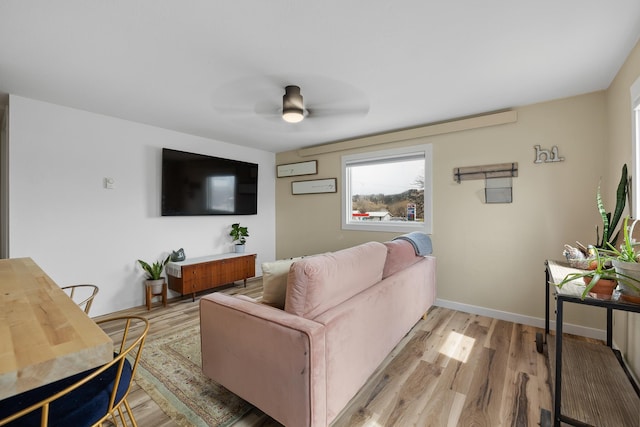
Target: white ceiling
218, 68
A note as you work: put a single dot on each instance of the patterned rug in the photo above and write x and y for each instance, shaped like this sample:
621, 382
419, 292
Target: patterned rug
170, 371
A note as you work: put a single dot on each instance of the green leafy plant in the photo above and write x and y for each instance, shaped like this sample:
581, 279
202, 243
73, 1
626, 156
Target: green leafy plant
609, 223
154, 271
627, 251
601, 271
239, 234
604, 258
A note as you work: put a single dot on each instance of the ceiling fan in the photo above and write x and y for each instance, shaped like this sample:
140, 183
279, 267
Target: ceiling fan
325, 99
294, 110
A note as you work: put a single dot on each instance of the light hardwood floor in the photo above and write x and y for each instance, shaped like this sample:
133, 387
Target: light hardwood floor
451, 369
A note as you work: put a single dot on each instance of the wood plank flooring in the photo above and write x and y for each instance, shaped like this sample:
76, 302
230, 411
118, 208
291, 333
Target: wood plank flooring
451, 369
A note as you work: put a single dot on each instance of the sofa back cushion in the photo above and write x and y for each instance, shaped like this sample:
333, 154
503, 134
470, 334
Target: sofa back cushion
320, 282
274, 281
400, 255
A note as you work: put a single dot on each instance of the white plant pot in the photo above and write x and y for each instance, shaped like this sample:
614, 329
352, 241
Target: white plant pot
630, 269
156, 285
239, 249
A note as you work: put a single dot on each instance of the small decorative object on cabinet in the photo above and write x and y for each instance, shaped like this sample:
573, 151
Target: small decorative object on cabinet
155, 283
239, 235
178, 255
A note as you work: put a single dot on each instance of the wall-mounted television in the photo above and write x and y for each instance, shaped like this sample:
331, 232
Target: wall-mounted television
196, 184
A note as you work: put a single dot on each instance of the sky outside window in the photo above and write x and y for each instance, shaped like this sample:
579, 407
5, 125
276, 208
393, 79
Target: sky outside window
389, 178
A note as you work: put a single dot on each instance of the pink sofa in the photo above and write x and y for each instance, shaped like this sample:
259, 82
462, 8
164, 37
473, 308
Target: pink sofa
344, 312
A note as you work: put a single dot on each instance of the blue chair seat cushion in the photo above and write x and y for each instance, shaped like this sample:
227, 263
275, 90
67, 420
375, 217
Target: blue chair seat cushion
81, 407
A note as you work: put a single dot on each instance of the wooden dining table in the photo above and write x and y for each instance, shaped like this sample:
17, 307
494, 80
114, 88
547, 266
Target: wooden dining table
44, 335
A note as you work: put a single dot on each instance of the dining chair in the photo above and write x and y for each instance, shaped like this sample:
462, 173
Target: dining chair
83, 295
89, 398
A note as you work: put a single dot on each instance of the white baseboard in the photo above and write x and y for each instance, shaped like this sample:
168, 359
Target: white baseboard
599, 334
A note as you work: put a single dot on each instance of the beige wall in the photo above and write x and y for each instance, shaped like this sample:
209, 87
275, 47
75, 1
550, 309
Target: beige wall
619, 148
489, 256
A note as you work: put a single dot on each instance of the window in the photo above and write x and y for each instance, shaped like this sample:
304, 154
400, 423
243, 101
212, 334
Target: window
388, 190
635, 119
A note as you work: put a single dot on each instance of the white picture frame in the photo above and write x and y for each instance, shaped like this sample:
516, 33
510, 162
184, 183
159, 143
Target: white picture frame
314, 186
297, 169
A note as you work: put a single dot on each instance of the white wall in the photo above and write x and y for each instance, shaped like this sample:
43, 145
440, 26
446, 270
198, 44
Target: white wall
79, 232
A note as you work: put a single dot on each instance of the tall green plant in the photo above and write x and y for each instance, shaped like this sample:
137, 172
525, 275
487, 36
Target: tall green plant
610, 223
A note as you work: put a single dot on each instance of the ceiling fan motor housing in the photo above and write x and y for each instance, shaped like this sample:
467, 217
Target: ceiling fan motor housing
292, 106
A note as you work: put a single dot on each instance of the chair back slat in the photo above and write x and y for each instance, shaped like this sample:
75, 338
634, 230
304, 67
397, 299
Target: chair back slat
86, 294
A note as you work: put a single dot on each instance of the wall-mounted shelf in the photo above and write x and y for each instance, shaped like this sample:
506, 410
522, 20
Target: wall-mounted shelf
501, 170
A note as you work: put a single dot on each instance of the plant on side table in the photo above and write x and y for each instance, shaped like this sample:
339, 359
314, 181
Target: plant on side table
582, 256
609, 222
625, 262
239, 235
154, 272
620, 265
600, 280
601, 276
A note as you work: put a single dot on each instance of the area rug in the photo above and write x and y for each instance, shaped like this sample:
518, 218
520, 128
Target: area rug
170, 371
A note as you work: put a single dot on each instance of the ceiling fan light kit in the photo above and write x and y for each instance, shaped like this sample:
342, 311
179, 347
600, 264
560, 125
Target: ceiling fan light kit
292, 106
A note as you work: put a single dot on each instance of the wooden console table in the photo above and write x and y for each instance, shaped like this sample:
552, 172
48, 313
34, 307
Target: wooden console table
591, 385
44, 336
199, 274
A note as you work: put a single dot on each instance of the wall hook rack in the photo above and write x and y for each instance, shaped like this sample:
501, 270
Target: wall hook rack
501, 170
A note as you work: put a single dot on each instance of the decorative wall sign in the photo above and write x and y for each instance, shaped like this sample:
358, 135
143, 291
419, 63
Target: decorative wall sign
295, 169
314, 186
547, 156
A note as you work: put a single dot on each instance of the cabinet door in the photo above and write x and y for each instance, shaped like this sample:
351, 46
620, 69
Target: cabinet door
248, 266
225, 271
197, 277
232, 269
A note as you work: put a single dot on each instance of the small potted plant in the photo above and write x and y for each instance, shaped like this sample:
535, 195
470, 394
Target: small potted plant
600, 279
625, 261
239, 235
154, 272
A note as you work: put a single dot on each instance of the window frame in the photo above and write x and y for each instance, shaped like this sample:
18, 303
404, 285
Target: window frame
635, 147
389, 226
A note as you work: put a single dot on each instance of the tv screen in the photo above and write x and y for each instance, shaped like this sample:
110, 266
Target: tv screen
195, 184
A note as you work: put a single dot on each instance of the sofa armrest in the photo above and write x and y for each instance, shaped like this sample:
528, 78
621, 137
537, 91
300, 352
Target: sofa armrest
270, 358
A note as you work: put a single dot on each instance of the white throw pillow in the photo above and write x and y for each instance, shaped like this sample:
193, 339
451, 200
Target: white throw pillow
274, 281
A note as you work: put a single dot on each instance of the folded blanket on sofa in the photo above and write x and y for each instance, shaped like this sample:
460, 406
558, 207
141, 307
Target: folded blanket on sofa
421, 242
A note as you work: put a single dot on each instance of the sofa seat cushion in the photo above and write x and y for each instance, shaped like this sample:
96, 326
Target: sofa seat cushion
400, 255
274, 281
318, 283
80, 407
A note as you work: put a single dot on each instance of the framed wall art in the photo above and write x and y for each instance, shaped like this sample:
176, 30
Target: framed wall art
314, 186
296, 169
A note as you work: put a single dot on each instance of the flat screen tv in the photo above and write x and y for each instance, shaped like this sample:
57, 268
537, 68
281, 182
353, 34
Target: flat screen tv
195, 184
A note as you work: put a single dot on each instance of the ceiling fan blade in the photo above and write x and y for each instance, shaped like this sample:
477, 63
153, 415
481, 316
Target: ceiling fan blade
346, 111
267, 108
